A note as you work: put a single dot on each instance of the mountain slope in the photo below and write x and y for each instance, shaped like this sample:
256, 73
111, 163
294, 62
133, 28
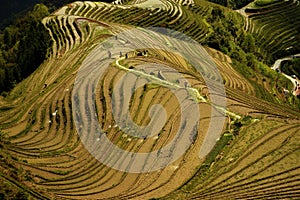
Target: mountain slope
254, 157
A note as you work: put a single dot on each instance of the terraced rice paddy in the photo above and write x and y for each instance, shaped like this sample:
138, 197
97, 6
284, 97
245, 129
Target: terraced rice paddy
277, 28
257, 151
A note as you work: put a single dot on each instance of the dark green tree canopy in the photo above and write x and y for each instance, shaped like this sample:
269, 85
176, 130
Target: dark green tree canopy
23, 47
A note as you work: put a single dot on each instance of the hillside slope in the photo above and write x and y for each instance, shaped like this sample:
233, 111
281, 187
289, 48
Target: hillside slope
44, 154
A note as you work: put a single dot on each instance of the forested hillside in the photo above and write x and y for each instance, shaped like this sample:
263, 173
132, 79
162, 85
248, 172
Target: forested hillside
24, 46
14, 9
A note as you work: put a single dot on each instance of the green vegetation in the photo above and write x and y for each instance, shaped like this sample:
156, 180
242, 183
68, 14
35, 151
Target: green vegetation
245, 164
291, 67
256, 155
11, 192
226, 139
276, 30
11, 10
23, 47
233, 4
229, 37
265, 2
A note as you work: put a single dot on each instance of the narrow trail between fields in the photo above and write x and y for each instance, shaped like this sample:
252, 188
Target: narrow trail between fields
194, 92
243, 13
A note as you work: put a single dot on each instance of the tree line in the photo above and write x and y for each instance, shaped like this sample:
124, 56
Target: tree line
23, 47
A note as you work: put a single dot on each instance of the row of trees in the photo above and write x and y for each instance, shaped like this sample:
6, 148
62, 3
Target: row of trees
23, 47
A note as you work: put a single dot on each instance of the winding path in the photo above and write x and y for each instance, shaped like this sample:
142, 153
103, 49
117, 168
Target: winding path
194, 92
243, 13
277, 66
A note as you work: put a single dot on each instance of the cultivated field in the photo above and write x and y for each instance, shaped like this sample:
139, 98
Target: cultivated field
255, 156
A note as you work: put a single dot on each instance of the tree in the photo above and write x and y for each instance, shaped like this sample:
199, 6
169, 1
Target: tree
23, 47
248, 43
